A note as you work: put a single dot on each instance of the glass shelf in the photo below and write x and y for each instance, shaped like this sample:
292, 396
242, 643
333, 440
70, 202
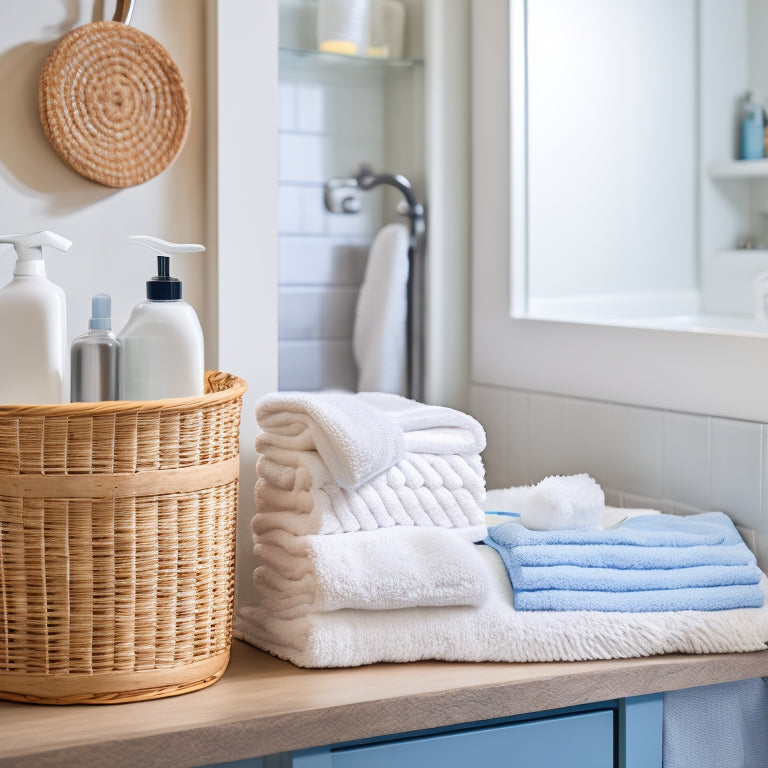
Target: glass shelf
739, 169
342, 60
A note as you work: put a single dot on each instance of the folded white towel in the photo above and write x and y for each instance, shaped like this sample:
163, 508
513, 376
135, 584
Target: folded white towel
333, 510
558, 502
296, 493
360, 435
430, 428
305, 470
379, 332
494, 631
375, 570
355, 440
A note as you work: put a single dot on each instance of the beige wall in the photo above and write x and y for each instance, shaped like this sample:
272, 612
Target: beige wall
38, 191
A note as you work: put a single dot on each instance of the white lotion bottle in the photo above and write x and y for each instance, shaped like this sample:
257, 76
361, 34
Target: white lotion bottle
161, 344
33, 316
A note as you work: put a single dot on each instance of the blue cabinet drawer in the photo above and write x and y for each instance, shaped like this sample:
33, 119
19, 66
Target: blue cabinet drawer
584, 740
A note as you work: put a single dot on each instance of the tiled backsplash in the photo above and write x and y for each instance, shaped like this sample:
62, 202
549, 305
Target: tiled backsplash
641, 457
329, 123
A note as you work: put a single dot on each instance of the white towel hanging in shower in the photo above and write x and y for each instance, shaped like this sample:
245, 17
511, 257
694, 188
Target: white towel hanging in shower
379, 335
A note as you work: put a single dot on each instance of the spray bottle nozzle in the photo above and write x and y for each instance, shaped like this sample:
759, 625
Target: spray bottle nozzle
101, 312
29, 250
163, 287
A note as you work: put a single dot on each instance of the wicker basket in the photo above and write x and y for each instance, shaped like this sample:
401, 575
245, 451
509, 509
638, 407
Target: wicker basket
117, 546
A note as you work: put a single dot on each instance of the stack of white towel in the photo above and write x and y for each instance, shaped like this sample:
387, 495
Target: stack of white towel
336, 462
365, 503
367, 509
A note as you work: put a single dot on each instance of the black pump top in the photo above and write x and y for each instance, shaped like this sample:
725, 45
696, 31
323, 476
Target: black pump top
163, 287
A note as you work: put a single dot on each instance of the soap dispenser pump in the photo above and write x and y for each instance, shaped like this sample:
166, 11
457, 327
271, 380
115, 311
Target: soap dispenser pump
161, 345
33, 316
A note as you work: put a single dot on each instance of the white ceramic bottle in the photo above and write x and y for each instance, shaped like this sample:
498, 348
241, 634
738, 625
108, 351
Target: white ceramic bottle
161, 345
33, 316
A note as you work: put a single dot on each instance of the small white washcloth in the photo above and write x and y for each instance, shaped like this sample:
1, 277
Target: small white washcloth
494, 631
360, 435
374, 570
558, 502
379, 332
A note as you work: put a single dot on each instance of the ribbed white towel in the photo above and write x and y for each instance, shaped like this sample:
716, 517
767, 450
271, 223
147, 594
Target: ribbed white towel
421, 490
494, 631
379, 332
375, 570
360, 435
558, 502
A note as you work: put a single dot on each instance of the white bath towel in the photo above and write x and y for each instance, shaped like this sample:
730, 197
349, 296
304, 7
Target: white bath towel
421, 490
379, 341
374, 570
494, 631
355, 440
558, 502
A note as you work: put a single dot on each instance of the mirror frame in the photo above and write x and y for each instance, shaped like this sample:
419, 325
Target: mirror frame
706, 372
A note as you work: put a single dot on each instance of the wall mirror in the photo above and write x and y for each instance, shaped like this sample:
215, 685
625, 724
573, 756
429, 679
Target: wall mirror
625, 335
626, 129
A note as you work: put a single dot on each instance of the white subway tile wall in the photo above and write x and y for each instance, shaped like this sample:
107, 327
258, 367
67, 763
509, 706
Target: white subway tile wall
736, 467
673, 462
328, 125
687, 459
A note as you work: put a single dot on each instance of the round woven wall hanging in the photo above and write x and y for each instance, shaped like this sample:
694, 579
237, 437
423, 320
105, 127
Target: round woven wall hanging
113, 104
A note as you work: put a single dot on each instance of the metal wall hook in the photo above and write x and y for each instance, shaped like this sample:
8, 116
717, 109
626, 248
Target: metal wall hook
123, 11
342, 196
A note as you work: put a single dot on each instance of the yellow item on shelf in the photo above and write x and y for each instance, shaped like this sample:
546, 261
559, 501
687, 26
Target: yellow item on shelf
339, 46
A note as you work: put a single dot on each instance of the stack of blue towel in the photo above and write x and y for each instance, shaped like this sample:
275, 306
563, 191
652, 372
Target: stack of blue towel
648, 563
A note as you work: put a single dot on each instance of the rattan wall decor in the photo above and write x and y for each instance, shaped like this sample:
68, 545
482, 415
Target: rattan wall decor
113, 104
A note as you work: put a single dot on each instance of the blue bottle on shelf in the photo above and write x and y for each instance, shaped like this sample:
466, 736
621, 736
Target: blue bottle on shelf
752, 130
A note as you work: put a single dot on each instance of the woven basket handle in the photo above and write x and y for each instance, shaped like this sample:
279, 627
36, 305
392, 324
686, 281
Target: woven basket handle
123, 11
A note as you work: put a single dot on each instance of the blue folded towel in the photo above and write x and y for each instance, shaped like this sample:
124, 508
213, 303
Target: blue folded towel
628, 557
576, 577
690, 599
648, 563
707, 528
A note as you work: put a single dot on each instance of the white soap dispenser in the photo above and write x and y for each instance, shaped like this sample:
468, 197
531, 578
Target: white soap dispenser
33, 316
161, 345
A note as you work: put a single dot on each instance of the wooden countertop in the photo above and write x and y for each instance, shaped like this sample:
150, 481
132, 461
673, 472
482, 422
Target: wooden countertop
263, 705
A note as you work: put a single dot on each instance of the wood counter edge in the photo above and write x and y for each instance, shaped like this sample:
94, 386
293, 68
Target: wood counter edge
263, 706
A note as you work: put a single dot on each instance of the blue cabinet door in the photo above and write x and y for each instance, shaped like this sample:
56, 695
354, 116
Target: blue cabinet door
584, 740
